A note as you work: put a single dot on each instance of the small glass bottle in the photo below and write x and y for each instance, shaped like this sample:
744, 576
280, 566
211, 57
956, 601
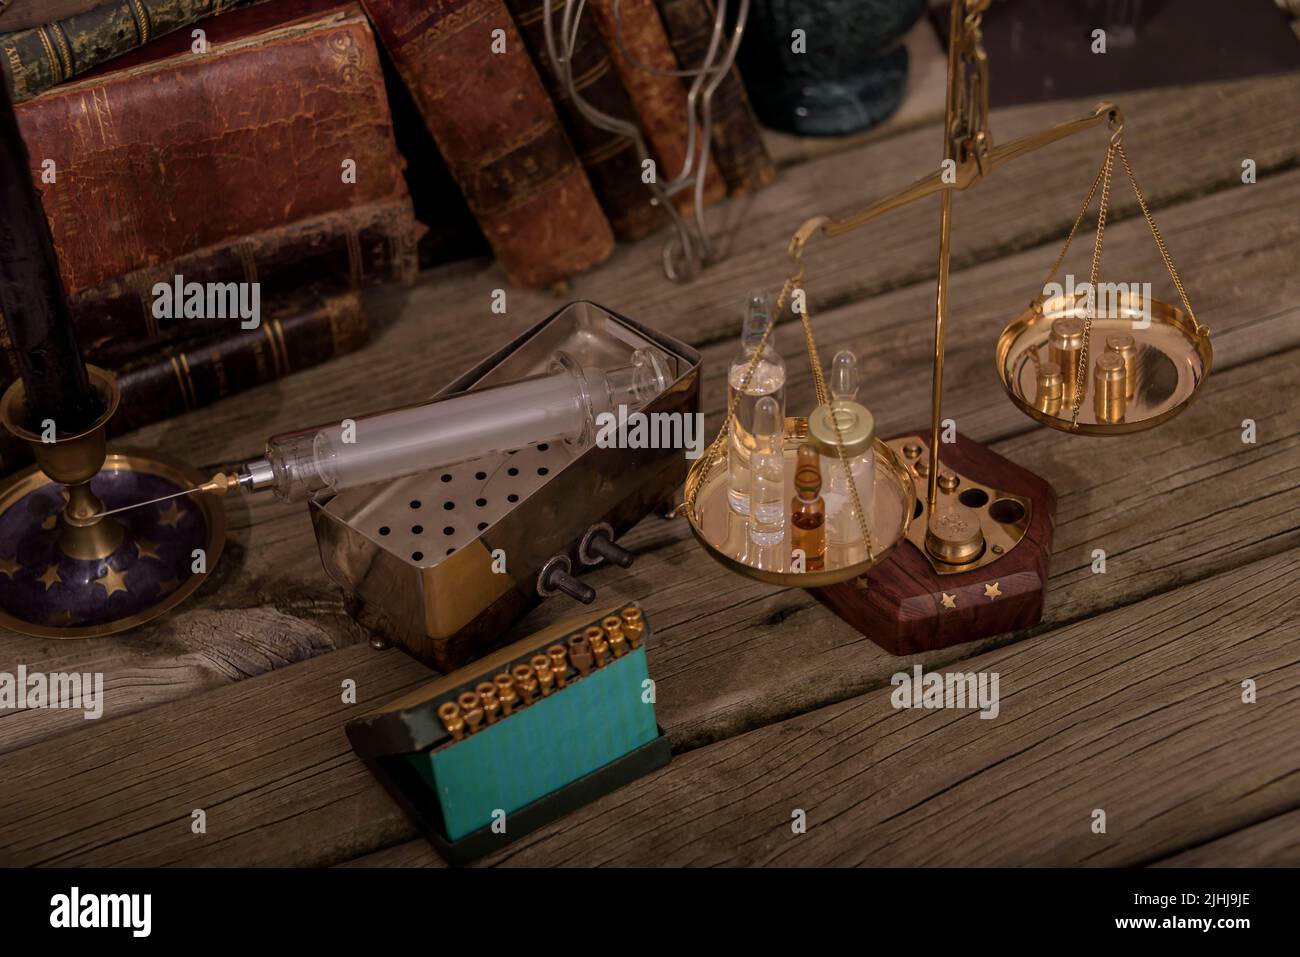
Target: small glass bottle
767, 486
854, 436
767, 380
808, 510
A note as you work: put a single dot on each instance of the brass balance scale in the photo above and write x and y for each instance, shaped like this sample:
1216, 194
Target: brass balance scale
962, 526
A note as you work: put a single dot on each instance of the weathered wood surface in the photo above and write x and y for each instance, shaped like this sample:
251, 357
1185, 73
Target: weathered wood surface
1125, 711
727, 657
1243, 288
1137, 712
1271, 843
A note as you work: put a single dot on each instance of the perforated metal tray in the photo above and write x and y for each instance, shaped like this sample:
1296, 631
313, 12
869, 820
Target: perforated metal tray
420, 558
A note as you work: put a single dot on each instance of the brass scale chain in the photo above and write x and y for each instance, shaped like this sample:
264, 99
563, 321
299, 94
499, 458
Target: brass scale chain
717, 447
1103, 179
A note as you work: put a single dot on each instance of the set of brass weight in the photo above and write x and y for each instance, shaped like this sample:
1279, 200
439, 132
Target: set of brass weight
1114, 372
492, 701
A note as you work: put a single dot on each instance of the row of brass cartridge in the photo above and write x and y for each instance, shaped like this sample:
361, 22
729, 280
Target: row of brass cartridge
594, 647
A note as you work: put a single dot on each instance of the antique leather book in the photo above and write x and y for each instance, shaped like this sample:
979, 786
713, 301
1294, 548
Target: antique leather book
659, 101
175, 154
737, 140
21, 14
611, 160
176, 380
497, 130
57, 49
324, 256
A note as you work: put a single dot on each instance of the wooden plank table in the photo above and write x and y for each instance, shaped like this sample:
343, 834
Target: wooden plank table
1126, 697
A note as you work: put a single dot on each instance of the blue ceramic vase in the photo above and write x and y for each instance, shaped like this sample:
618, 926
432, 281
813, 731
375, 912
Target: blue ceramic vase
848, 73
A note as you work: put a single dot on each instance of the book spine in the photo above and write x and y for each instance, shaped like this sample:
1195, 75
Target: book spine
325, 256
151, 163
659, 100
737, 141
21, 14
469, 72
611, 160
179, 380
54, 52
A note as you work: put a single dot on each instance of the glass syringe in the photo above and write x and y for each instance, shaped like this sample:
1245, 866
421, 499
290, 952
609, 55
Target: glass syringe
560, 405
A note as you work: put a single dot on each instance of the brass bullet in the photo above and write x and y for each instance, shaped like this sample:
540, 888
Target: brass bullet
542, 667
1063, 348
633, 626
506, 693
559, 664
1049, 388
472, 709
1123, 344
595, 636
525, 681
487, 696
1109, 399
614, 634
580, 654
449, 712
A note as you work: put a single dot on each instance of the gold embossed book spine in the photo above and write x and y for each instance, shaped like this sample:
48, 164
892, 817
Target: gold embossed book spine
43, 56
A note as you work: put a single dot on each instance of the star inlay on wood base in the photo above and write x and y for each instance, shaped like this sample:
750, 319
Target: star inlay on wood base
910, 608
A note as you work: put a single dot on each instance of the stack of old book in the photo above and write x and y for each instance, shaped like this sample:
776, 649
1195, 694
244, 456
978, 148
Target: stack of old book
220, 188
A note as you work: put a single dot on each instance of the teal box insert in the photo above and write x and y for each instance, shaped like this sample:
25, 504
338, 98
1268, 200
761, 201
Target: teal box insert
543, 760
549, 744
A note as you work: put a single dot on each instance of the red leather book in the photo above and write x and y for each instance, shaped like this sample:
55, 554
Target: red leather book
168, 156
324, 256
611, 160
737, 140
482, 100
658, 99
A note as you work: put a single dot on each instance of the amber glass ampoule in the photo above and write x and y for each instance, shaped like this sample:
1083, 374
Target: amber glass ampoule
808, 511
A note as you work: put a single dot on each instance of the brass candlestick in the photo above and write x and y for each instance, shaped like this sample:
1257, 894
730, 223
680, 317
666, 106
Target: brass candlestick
72, 461
68, 570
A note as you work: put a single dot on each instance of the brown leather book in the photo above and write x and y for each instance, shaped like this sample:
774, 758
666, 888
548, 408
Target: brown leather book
316, 258
177, 380
56, 49
172, 155
496, 128
659, 101
611, 160
737, 141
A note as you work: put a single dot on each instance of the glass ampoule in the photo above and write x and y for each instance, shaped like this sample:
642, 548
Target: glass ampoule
854, 436
767, 380
767, 485
808, 510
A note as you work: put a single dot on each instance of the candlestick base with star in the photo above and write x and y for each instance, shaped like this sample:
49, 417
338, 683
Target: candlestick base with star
66, 571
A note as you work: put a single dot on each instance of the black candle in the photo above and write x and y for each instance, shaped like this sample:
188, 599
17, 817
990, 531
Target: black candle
32, 297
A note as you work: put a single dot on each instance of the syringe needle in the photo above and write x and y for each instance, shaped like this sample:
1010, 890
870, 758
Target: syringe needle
220, 484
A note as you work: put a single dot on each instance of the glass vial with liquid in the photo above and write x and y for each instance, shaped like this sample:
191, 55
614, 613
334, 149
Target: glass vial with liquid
767, 381
852, 430
808, 510
767, 486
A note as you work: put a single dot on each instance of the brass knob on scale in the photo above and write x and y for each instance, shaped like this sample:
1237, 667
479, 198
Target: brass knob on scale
953, 534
